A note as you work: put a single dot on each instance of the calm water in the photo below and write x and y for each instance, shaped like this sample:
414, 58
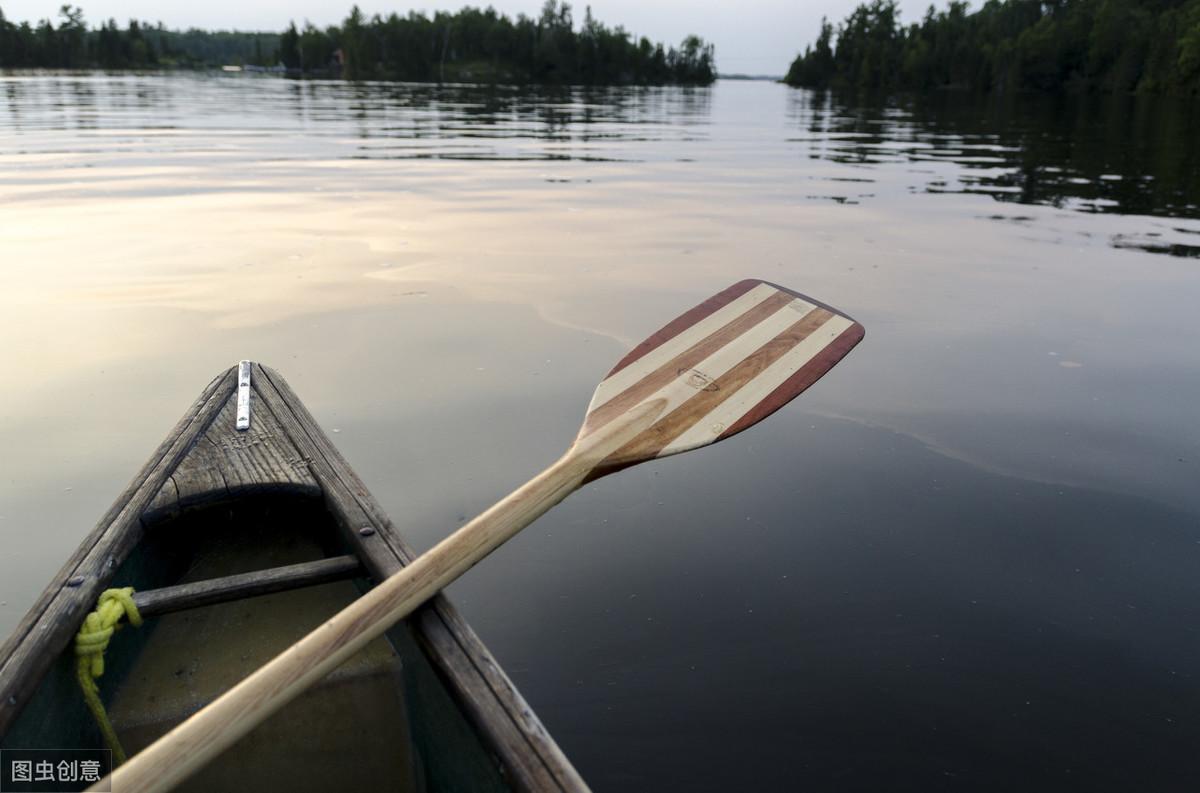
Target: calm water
969, 558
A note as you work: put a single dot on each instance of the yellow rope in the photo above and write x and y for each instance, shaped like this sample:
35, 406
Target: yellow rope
90, 643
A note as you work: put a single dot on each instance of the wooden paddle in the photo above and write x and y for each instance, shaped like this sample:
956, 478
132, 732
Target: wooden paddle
721, 367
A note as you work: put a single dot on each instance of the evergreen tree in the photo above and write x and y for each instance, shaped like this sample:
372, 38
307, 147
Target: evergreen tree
470, 45
1012, 45
289, 47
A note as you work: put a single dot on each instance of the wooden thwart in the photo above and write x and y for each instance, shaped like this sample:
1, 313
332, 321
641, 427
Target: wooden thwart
153, 602
51, 623
723, 366
282, 459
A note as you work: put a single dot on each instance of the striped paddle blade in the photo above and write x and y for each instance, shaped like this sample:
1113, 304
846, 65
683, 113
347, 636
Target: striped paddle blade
728, 363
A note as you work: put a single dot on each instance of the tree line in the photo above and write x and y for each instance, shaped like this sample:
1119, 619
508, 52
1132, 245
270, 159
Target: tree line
72, 44
483, 45
1111, 46
472, 44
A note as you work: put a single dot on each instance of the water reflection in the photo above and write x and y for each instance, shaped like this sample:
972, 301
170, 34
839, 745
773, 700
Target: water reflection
390, 120
1122, 155
978, 532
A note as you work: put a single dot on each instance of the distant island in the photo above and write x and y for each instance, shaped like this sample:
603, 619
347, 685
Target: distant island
471, 45
1108, 46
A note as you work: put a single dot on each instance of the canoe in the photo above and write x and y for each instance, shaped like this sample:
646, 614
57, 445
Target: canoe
237, 542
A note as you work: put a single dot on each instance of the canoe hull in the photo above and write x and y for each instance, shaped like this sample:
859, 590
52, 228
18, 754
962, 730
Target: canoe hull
214, 501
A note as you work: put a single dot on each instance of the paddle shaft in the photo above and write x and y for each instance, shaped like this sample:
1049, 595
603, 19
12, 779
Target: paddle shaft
710, 373
189, 746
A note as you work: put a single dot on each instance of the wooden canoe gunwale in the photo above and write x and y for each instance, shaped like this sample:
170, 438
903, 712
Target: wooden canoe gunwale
289, 454
487, 695
45, 631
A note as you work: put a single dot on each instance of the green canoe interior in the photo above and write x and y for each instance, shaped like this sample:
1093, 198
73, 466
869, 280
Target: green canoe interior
382, 721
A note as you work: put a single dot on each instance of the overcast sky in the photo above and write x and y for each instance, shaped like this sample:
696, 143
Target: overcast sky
751, 36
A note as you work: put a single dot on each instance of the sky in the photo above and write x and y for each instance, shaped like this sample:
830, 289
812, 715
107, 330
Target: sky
751, 36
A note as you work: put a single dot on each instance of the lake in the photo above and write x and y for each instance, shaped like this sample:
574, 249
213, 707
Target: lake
968, 558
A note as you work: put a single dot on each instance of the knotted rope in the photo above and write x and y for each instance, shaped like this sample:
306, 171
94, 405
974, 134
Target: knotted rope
90, 644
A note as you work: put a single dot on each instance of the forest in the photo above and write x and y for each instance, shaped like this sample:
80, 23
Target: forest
475, 45
72, 44
1049, 46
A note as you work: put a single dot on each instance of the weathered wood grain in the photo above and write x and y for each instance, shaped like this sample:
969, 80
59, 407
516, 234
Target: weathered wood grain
745, 343
205, 461
227, 464
222, 722
164, 505
532, 758
51, 623
151, 603
258, 458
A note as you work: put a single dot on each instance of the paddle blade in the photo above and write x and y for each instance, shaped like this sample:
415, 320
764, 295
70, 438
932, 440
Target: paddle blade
725, 365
